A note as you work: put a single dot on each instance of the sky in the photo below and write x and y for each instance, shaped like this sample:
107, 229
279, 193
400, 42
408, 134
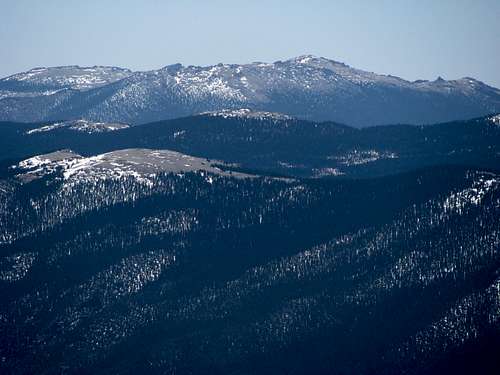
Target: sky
413, 39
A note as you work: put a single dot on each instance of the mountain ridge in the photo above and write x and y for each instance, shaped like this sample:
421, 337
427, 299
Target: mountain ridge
307, 87
273, 144
311, 60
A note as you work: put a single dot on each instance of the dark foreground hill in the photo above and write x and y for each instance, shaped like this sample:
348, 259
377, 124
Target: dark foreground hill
107, 267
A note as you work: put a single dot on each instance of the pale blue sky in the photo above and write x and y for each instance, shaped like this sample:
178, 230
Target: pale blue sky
409, 38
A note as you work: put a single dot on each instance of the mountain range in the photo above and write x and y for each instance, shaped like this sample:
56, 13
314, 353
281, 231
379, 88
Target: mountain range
246, 219
306, 87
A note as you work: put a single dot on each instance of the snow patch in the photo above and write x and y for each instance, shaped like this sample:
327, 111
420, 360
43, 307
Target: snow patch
324, 172
248, 113
359, 157
15, 267
473, 196
83, 126
141, 164
495, 120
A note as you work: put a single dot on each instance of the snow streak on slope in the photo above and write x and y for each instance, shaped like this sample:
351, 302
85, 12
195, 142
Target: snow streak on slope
248, 113
83, 126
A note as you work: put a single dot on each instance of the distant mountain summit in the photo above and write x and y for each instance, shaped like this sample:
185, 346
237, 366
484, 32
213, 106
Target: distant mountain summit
308, 87
63, 77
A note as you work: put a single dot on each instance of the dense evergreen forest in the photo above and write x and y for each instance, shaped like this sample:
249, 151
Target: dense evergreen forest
279, 246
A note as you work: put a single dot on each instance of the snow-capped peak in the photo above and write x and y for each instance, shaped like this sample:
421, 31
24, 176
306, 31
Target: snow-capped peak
72, 76
304, 59
306, 86
317, 62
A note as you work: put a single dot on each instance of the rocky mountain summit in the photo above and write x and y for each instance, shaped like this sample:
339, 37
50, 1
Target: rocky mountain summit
306, 87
